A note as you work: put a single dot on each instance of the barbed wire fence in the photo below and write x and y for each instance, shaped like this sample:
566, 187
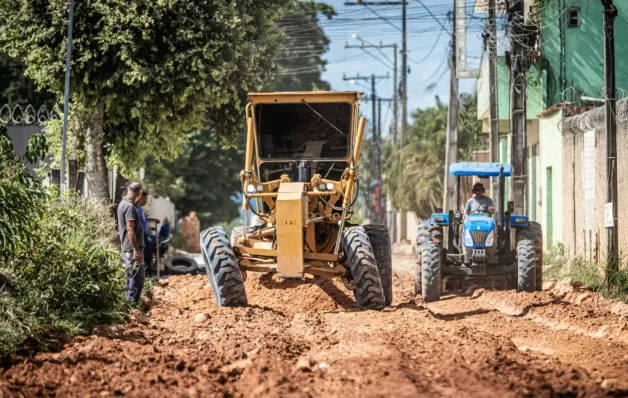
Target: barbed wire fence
593, 119
21, 115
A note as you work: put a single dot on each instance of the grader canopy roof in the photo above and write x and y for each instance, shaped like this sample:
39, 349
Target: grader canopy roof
304, 125
480, 169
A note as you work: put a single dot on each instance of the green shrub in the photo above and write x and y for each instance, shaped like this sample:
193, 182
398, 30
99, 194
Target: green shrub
70, 276
21, 202
73, 277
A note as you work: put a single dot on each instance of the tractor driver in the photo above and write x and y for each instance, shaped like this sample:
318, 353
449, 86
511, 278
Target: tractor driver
479, 202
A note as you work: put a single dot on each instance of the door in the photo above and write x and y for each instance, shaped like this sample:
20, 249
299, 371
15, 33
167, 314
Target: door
549, 227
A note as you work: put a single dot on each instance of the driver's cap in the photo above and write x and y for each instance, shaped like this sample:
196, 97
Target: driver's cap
478, 186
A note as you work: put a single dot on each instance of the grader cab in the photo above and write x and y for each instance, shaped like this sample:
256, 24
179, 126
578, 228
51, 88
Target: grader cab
300, 179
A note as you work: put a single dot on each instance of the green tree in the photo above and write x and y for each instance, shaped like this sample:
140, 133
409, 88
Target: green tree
204, 178
300, 63
15, 88
146, 72
417, 184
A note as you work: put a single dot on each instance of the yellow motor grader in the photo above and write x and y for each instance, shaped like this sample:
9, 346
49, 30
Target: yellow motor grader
300, 180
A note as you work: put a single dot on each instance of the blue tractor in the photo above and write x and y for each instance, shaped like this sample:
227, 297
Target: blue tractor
490, 245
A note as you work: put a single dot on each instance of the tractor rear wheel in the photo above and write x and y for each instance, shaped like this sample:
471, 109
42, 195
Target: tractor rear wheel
223, 272
369, 293
526, 266
380, 242
431, 273
534, 232
426, 233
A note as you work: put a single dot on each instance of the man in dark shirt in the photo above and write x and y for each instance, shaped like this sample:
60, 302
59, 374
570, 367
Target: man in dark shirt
132, 241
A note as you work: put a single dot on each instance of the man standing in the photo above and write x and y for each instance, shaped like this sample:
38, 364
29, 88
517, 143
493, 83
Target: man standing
149, 240
132, 241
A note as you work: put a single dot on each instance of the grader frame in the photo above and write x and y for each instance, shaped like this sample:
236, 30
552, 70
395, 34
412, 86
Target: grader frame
281, 246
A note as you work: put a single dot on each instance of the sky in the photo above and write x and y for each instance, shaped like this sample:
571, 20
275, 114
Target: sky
428, 48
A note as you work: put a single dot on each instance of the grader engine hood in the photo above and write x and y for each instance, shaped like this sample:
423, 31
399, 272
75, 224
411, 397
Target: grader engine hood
291, 221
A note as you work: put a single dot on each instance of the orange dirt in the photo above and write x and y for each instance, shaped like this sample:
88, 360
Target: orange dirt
307, 338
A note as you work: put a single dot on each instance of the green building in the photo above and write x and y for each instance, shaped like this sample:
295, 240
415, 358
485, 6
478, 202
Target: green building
569, 64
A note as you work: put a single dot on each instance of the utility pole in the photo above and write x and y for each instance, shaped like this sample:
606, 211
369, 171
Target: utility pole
451, 145
403, 87
66, 97
610, 108
518, 81
376, 213
492, 77
491, 36
395, 73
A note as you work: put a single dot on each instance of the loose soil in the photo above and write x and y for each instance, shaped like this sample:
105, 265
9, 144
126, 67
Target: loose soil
307, 338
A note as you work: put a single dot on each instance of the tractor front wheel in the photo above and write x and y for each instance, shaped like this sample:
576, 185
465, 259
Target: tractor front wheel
380, 242
526, 266
431, 272
223, 272
369, 293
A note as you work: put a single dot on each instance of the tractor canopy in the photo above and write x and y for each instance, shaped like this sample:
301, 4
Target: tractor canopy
480, 169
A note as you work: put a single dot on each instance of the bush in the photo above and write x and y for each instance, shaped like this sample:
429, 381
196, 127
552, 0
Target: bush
21, 202
73, 277
70, 277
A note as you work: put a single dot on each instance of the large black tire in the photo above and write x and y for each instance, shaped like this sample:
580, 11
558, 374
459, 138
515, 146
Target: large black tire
432, 271
526, 266
426, 233
534, 232
369, 293
380, 243
223, 272
179, 265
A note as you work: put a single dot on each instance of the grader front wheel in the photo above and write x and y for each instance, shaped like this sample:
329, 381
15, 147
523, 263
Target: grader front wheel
222, 268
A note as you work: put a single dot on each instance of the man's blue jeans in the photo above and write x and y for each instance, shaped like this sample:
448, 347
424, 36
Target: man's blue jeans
134, 277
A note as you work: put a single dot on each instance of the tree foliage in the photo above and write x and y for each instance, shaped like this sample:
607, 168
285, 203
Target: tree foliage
146, 71
417, 184
300, 63
204, 178
21, 201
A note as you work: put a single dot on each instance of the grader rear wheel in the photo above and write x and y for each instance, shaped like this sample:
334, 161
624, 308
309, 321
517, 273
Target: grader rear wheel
380, 242
369, 293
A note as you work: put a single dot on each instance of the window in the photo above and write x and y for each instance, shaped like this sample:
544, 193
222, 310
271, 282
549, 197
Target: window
574, 18
303, 131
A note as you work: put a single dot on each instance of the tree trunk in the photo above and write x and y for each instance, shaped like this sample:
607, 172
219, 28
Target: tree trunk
95, 166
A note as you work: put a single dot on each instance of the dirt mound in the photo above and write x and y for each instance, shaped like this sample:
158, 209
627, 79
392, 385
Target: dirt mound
293, 296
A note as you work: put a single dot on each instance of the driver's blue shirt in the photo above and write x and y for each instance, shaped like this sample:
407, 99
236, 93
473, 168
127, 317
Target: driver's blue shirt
478, 204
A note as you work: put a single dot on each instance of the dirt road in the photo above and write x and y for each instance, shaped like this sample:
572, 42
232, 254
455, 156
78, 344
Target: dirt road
308, 339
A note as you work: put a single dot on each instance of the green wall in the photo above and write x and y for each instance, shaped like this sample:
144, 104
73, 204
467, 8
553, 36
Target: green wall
583, 49
535, 102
